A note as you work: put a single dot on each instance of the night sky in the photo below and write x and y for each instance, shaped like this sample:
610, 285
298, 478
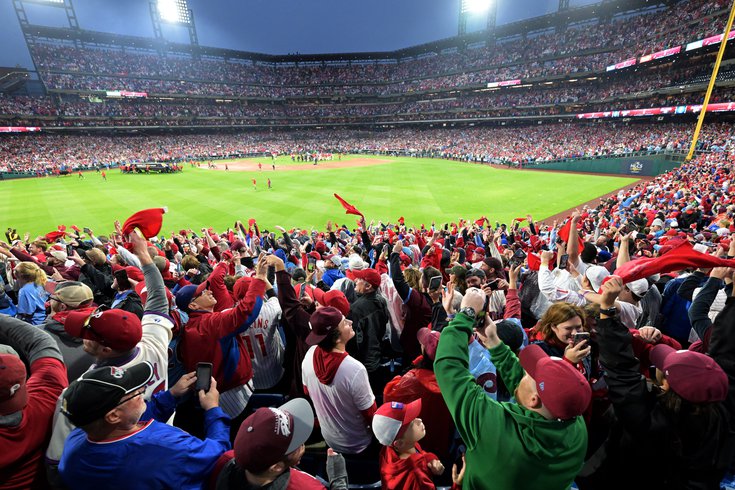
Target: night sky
275, 26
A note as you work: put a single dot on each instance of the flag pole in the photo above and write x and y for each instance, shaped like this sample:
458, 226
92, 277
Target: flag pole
712, 81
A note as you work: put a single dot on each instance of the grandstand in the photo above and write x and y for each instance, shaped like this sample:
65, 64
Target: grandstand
608, 57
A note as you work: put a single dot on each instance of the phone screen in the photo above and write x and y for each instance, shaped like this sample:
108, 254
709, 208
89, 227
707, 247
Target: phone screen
563, 261
69, 250
204, 376
435, 283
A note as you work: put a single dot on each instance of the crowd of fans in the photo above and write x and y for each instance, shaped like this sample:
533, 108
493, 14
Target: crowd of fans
66, 67
528, 354
634, 90
538, 143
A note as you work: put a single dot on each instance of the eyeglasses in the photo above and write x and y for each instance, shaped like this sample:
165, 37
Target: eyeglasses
138, 393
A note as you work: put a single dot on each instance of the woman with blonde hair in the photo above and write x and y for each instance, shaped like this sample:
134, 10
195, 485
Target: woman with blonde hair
31, 295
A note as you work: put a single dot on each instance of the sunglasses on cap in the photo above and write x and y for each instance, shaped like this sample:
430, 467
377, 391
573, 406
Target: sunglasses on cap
88, 323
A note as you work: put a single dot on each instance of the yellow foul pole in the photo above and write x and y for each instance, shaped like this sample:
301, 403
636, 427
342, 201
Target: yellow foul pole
712, 80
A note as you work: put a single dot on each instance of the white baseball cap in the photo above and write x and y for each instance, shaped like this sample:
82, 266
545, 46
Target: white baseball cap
595, 274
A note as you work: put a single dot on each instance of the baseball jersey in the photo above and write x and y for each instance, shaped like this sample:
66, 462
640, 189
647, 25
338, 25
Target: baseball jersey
265, 345
483, 369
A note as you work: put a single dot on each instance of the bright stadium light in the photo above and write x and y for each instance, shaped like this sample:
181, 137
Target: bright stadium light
474, 6
51, 1
174, 11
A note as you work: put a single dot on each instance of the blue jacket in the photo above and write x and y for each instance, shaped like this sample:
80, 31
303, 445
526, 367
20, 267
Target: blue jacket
675, 320
332, 275
157, 456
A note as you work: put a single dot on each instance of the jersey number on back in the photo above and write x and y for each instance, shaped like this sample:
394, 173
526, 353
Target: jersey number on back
261, 343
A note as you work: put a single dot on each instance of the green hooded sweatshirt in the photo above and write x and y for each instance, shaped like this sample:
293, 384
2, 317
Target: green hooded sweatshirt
508, 446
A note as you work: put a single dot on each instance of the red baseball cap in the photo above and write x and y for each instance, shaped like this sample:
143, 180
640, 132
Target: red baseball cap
323, 321
371, 276
134, 273
561, 388
269, 434
392, 419
337, 299
117, 329
13, 392
693, 376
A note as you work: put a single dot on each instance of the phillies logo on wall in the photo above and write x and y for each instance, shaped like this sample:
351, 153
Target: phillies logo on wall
636, 167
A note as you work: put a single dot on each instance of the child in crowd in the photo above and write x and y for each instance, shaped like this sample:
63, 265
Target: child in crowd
403, 464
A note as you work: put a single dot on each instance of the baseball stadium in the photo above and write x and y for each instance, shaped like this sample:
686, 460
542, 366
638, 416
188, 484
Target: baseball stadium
291, 245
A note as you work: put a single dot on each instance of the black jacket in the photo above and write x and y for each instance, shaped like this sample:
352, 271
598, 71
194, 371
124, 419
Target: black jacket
673, 451
369, 315
76, 360
99, 279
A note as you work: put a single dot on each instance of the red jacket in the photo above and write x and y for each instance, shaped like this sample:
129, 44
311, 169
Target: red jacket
203, 332
412, 473
219, 290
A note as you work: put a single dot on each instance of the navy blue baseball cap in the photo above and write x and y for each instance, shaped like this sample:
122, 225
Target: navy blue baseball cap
185, 295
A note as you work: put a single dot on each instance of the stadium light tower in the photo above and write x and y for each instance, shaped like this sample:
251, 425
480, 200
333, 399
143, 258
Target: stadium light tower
174, 12
471, 8
71, 15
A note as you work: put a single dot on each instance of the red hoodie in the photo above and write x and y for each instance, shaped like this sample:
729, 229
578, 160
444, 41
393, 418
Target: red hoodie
412, 473
326, 364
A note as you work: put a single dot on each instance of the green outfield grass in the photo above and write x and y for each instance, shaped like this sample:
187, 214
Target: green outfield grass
421, 190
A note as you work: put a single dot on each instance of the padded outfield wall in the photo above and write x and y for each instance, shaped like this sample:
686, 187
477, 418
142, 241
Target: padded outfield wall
644, 165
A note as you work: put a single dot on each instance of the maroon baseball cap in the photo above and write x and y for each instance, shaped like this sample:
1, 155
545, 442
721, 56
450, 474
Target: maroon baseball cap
371, 276
337, 299
561, 388
269, 434
117, 329
429, 339
13, 392
693, 376
323, 321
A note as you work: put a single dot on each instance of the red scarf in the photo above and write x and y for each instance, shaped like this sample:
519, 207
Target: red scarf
326, 364
61, 316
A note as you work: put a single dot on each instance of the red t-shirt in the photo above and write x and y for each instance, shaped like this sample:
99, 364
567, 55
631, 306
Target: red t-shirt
23, 446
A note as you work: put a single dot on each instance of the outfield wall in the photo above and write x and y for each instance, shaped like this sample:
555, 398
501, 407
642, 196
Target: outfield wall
646, 165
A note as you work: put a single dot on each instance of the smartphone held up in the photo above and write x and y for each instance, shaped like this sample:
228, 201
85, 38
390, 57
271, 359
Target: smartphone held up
204, 376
